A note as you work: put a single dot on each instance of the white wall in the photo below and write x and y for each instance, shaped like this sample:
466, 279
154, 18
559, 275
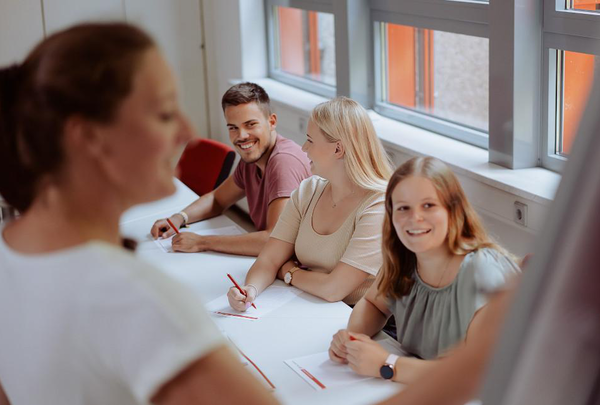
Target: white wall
236, 49
176, 26
15, 41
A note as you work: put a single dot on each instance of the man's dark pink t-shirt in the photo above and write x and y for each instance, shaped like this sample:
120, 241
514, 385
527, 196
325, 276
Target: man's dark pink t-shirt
287, 166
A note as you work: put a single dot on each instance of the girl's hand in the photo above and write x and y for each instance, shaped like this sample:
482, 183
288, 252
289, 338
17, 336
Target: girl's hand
239, 301
365, 356
337, 348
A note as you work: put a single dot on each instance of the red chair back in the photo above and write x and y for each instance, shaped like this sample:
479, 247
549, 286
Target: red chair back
205, 164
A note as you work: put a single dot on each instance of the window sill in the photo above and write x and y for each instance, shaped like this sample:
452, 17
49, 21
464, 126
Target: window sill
535, 184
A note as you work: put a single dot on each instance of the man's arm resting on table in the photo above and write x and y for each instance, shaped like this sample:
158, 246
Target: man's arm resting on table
249, 244
207, 206
214, 203
217, 378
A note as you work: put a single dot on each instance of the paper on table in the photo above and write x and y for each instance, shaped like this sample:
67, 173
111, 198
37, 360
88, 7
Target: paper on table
270, 299
165, 244
322, 373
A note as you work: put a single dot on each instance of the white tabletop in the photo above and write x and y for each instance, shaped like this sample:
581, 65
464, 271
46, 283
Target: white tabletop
301, 327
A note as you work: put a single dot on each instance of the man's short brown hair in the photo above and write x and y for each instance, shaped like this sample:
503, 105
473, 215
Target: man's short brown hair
244, 93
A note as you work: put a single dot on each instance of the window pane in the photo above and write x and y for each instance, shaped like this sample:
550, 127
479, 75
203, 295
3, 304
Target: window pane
590, 5
437, 73
575, 74
305, 44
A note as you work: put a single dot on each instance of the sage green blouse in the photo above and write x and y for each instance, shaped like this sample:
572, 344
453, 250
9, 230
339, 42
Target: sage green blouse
432, 320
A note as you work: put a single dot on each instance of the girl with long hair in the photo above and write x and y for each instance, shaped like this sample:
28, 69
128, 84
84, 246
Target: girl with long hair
439, 267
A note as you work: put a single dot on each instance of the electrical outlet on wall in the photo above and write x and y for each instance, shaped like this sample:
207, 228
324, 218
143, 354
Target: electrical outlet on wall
520, 213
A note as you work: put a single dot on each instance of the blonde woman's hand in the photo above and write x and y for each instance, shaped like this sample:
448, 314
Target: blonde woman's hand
365, 356
239, 301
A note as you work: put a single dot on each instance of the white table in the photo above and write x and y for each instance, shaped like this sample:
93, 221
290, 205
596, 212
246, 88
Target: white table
303, 326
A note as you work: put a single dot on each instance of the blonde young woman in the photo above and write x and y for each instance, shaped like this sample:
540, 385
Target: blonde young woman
439, 267
327, 241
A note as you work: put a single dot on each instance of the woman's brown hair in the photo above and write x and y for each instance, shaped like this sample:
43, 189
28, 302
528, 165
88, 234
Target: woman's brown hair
466, 234
86, 70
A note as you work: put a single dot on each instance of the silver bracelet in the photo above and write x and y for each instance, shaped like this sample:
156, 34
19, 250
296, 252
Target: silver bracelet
184, 216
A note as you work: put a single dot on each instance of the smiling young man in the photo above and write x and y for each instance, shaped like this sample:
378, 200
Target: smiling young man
270, 168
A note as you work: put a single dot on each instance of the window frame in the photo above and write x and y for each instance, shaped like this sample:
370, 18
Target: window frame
521, 34
447, 128
566, 30
313, 86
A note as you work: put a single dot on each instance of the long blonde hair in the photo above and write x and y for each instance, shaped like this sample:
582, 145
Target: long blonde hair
344, 120
466, 233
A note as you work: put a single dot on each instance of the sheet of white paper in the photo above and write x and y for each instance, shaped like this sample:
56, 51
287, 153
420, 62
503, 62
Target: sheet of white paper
322, 373
270, 299
165, 244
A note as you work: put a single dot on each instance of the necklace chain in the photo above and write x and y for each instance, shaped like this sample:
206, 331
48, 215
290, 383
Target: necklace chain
342, 199
443, 273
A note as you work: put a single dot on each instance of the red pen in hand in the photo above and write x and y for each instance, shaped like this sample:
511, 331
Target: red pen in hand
239, 288
172, 226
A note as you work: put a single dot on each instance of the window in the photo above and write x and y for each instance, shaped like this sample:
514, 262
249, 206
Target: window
513, 78
436, 74
574, 76
572, 46
590, 5
303, 49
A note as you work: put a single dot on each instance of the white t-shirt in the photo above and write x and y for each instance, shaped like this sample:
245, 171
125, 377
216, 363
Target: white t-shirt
94, 325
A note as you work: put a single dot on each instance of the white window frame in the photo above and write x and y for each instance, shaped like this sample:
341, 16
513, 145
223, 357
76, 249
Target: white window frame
565, 30
519, 77
467, 18
323, 6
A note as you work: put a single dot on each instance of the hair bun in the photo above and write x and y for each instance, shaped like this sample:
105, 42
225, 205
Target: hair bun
10, 78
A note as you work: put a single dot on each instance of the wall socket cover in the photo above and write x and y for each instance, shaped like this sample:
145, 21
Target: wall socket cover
520, 213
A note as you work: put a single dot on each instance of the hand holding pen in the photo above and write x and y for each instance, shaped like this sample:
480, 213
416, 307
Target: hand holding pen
240, 299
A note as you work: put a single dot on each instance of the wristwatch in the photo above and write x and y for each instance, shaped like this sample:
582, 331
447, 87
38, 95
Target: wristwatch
290, 275
387, 370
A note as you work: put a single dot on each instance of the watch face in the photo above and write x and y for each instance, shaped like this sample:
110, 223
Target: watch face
386, 372
287, 278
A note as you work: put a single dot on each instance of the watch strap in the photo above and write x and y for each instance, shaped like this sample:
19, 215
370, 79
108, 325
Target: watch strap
388, 369
184, 216
391, 360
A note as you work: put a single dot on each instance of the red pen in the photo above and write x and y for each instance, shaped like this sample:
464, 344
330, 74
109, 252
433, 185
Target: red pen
239, 288
172, 226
